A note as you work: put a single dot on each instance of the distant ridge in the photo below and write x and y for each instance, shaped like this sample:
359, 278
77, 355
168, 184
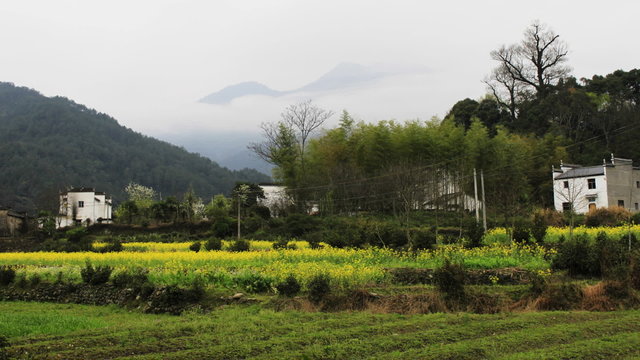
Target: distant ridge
47, 144
344, 75
229, 93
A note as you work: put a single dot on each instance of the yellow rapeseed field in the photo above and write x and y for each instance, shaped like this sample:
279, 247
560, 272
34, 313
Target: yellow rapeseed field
499, 235
173, 263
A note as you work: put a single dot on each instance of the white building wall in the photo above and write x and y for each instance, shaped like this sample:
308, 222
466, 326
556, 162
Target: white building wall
579, 193
86, 206
276, 198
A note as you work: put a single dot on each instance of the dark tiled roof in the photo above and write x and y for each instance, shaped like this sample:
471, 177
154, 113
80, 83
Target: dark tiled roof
581, 172
80, 189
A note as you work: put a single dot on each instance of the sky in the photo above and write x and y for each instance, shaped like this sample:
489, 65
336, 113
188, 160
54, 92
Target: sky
146, 63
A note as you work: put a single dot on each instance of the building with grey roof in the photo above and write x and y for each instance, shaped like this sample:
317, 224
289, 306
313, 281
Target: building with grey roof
586, 188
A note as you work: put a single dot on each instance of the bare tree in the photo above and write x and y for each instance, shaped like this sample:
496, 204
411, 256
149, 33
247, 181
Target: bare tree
537, 62
507, 91
571, 191
276, 136
304, 118
285, 142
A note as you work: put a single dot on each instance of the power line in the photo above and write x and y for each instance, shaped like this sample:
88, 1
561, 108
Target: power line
391, 195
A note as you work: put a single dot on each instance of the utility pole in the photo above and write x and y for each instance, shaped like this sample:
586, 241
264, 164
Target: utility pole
238, 217
241, 191
475, 190
484, 202
630, 202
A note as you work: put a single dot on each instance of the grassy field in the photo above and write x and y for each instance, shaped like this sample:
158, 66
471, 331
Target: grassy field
54, 331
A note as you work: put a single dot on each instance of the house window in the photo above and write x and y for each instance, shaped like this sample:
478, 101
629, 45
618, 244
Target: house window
566, 206
636, 206
566, 184
591, 183
80, 204
591, 199
638, 184
621, 203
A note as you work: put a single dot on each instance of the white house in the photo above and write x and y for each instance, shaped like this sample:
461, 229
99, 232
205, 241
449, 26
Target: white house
587, 188
83, 206
275, 198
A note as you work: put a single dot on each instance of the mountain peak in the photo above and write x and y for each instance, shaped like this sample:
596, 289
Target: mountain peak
343, 75
231, 92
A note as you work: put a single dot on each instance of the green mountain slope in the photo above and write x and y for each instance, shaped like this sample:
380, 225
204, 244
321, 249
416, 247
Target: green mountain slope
47, 144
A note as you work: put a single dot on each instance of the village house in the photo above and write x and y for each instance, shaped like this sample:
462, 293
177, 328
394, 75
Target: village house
12, 222
275, 198
83, 206
614, 183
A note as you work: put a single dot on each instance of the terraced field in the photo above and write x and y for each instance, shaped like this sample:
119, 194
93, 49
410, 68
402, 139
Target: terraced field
56, 331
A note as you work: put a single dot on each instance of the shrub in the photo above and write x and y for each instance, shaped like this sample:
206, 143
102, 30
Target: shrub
134, 279
474, 232
262, 211
450, 280
114, 245
95, 276
172, 299
611, 216
252, 224
618, 290
333, 239
77, 240
4, 345
222, 227
195, 246
76, 234
21, 281
7, 275
577, 256
314, 240
289, 287
239, 245
395, 237
35, 280
423, 238
450, 235
296, 225
319, 287
521, 232
634, 269
280, 243
254, 283
612, 257
549, 217
564, 296
538, 284
539, 227
213, 244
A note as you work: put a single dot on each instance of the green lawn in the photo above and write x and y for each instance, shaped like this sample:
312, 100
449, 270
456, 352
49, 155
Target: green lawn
60, 331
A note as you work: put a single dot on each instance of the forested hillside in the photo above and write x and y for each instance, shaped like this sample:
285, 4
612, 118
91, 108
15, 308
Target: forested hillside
48, 144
